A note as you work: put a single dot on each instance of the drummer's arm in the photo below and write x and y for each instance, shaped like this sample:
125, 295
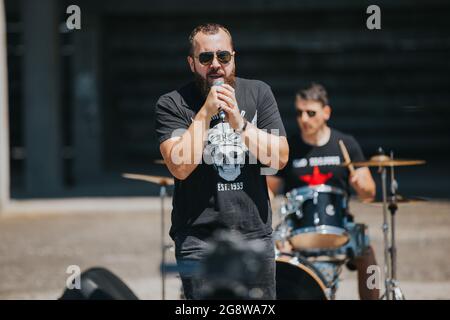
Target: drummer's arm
361, 180
274, 185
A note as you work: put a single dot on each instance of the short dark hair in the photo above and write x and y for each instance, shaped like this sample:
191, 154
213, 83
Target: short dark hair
206, 28
315, 92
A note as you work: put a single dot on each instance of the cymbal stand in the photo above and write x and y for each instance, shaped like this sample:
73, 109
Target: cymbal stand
385, 229
396, 292
162, 194
392, 289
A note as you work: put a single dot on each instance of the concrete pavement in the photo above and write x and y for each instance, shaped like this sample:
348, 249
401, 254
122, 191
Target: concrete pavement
37, 246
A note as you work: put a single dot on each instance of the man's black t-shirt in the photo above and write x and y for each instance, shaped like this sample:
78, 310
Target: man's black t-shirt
227, 190
314, 165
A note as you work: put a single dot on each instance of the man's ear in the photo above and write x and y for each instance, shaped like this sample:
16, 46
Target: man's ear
327, 112
190, 61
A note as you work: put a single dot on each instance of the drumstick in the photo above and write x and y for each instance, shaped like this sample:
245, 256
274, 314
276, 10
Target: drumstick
346, 156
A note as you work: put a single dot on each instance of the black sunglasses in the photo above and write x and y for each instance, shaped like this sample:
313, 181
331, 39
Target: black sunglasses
206, 58
310, 113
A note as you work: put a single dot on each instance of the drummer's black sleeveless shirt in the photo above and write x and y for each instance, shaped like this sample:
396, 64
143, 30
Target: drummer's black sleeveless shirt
312, 165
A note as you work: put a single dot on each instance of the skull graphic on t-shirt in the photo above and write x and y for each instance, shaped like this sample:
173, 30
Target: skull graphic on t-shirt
225, 150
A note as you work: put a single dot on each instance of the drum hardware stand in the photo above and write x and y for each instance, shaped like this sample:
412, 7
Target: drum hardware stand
385, 229
284, 229
162, 194
397, 293
164, 247
392, 289
163, 182
333, 285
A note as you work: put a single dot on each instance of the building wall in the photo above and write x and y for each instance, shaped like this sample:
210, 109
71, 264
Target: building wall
387, 87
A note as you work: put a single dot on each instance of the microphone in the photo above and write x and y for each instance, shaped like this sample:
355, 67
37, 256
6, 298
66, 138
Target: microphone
221, 112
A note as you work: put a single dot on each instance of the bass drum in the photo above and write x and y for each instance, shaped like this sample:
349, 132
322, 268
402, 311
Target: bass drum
297, 279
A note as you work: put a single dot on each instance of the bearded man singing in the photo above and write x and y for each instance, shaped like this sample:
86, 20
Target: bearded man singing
219, 135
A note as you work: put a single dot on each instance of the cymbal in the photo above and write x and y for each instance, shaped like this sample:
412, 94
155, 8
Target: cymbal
399, 199
160, 180
385, 161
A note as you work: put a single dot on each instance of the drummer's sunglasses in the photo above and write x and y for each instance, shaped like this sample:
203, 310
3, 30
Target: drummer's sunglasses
207, 58
310, 113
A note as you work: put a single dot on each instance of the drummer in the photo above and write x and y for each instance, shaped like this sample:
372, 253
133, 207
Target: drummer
315, 158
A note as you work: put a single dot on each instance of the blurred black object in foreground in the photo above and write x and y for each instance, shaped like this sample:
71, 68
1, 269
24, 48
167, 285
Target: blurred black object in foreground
99, 284
230, 267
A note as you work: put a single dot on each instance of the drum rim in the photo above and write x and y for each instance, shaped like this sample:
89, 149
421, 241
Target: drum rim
321, 229
309, 268
317, 188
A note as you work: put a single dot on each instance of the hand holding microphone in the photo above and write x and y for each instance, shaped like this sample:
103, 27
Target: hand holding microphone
230, 107
222, 98
213, 102
222, 114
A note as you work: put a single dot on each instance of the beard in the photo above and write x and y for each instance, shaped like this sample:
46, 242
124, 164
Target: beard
204, 86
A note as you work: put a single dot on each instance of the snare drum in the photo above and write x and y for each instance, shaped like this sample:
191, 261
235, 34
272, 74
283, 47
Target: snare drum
316, 217
358, 243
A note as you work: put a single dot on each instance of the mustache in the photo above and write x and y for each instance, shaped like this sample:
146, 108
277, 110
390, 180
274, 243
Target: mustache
215, 72
204, 86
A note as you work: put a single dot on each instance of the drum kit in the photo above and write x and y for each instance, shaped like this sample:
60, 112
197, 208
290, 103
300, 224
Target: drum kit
316, 236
